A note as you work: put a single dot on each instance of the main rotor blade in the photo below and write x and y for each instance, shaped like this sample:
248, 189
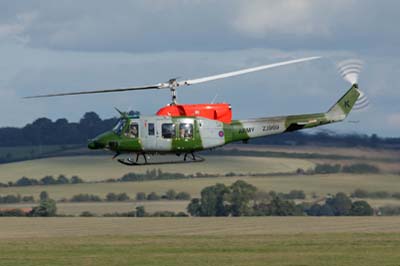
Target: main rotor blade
171, 84
157, 86
245, 71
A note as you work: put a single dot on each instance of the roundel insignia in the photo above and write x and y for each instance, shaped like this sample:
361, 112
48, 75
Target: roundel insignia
221, 133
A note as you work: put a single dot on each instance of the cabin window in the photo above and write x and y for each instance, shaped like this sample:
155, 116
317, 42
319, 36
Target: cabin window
134, 130
151, 129
185, 131
168, 131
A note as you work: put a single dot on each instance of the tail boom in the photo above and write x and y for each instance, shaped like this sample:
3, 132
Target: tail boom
242, 130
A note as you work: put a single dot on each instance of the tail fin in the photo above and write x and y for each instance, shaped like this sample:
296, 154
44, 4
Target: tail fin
342, 108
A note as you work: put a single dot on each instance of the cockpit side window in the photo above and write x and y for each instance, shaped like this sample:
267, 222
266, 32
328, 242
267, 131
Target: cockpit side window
185, 131
133, 130
119, 126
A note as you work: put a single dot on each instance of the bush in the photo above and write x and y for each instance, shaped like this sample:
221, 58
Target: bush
396, 195
87, 214
24, 181
28, 199
153, 196
360, 193
360, 168
117, 197
76, 180
62, 179
140, 196
183, 196
85, 198
12, 212
140, 211
389, 210
170, 194
327, 168
10, 199
361, 208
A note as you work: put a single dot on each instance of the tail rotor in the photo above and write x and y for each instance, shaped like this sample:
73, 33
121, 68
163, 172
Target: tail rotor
350, 71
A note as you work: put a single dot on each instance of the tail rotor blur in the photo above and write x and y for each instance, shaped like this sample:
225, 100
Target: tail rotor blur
350, 71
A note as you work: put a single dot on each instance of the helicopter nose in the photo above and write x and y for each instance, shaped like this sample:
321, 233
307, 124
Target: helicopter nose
94, 144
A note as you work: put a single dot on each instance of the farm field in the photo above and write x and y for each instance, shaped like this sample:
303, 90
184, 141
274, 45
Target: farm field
96, 168
100, 208
320, 184
200, 241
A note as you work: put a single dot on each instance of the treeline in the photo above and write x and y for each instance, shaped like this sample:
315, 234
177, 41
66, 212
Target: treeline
47, 208
324, 138
364, 194
357, 168
9, 199
140, 196
244, 199
157, 174
44, 131
45, 181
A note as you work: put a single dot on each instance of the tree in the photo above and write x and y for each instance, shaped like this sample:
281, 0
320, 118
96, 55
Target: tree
340, 204
361, 208
48, 180
62, 179
140, 196
140, 211
171, 194
111, 197
24, 181
122, 197
183, 196
47, 208
279, 207
213, 200
76, 180
153, 196
240, 195
44, 195
194, 207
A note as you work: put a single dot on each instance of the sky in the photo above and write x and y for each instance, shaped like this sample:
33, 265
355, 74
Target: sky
62, 46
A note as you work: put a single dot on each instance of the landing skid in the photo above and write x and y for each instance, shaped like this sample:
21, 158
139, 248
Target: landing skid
187, 159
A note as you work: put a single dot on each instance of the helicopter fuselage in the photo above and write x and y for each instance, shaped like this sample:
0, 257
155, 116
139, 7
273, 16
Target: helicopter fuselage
188, 134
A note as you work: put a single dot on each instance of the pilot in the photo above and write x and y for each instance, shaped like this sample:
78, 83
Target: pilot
182, 133
134, 131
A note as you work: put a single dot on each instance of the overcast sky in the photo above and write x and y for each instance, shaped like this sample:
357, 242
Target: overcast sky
57, 46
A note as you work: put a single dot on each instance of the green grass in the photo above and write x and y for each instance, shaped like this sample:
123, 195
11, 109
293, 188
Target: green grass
94, 168
200, 241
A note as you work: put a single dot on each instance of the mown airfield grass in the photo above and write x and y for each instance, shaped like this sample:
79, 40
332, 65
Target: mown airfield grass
200, 241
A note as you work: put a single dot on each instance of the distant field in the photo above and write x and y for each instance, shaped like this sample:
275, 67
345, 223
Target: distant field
28, 152
92, 168
320, 184
200, 241
100, 208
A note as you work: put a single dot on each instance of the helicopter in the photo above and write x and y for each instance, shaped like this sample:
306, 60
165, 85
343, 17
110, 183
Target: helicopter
185, 129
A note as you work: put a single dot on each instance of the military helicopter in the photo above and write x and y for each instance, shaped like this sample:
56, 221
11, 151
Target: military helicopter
184, 129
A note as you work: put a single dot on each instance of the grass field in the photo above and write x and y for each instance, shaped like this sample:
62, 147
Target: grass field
200, 241
94, 168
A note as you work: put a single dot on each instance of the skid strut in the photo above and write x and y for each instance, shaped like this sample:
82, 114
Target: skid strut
187, 159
